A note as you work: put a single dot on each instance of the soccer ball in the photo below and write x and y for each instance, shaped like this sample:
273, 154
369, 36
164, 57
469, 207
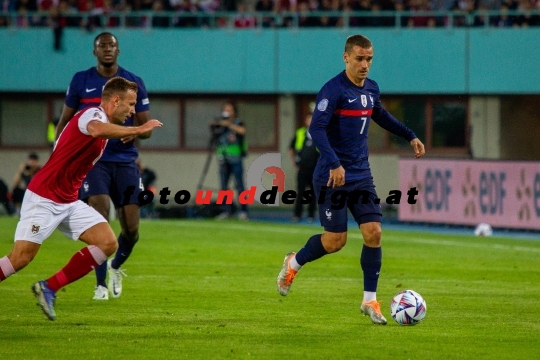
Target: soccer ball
408, 308
483, 230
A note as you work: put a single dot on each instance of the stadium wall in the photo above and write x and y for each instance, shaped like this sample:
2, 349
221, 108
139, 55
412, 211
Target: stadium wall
408, 61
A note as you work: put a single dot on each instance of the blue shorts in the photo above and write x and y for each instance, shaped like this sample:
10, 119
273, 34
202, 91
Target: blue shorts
358, 196
112, 178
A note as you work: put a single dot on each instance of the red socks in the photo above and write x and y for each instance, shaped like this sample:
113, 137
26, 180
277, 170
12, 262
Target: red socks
80, 264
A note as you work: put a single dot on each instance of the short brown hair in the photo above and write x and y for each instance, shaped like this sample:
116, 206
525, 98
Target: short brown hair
118, 85
357, 40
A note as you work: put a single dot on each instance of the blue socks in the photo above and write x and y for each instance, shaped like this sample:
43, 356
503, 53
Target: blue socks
313, 250
122, 254
101, 274
125, 248
371, 260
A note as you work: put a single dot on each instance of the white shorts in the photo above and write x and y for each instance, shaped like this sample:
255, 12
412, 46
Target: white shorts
41, 216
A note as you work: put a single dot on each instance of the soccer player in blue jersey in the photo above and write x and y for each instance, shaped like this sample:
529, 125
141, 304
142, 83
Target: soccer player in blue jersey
116, 171
345, 107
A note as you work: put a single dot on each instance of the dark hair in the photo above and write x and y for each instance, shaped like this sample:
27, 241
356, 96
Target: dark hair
105, 34
33, 156
357, 40
233, 106
118, 85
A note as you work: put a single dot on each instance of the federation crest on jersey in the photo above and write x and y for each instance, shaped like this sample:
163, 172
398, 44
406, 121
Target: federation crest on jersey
322, 105
328, 214
363, 99
35, 228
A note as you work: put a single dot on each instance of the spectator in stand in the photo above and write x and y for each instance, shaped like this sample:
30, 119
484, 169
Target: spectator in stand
27, 5
527, 19
465, 7
186, 8
93, 18
360, 6
331, 21
281, 6
419, 20
503, 21
41, 20
209, 6
243, 19
481, 19
304, 20
8, 5
23, 20
489, 4
375, 21
441, 5
146, 4
266, 6
400, 6
69, 8
57, 21
159, 21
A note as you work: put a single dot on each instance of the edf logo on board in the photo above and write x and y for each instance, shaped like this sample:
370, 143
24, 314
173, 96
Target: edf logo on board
437, 190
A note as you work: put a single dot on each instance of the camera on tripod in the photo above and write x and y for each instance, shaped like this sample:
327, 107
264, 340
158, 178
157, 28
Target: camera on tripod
216, 129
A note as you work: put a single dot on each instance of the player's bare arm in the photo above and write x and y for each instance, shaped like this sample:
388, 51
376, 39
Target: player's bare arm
67, 114
142, 118
112, 131
418, 148
139, 118
337, 177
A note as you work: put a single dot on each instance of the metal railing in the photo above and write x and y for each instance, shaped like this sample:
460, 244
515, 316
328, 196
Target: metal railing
311, 19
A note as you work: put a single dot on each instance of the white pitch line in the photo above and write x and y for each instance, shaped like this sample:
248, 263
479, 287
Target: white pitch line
290, 230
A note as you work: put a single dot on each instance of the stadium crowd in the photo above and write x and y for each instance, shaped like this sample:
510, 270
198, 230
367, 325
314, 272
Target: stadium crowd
93, 14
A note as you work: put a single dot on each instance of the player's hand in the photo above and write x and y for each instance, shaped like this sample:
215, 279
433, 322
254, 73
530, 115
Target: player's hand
418, 148
337, 177
150, 124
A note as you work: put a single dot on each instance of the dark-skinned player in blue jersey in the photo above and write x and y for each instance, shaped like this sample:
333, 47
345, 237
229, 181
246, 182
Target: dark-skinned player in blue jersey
345, 107
116, 171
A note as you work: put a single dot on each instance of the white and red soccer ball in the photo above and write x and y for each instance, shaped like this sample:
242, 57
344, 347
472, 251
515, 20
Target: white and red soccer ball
408, 308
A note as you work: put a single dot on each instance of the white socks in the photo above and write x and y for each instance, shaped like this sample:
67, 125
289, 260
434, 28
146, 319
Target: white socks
294, 265
369, 296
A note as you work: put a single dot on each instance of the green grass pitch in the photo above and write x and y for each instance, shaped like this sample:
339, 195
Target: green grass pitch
206, 290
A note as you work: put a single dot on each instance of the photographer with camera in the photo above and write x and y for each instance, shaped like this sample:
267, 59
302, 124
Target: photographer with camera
22, 178
228, 133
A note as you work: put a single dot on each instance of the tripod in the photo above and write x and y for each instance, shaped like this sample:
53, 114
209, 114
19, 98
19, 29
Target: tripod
211, 150
211, 210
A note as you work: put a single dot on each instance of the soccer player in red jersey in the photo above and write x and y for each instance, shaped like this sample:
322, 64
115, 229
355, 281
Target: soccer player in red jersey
51, 200
116, 171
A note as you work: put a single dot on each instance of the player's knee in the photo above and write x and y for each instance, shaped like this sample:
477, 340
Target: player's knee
109, 246
372, 236
334, 242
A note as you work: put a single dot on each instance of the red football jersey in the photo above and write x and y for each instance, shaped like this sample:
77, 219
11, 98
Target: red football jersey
74, 154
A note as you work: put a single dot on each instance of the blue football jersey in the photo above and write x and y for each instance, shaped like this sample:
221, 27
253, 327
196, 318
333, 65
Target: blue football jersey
340, 125
85, 90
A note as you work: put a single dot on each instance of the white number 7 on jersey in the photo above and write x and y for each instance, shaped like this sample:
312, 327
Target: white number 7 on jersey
364, 119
